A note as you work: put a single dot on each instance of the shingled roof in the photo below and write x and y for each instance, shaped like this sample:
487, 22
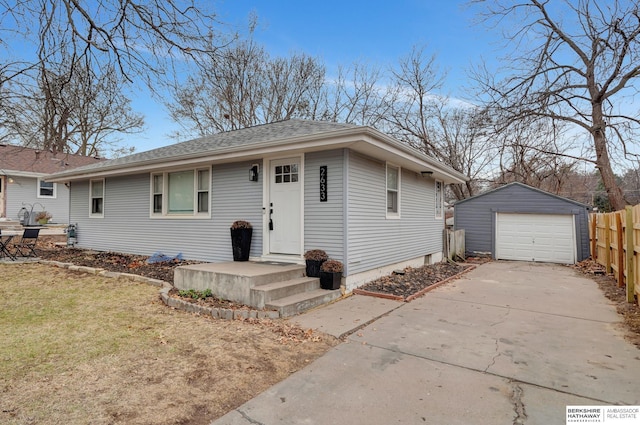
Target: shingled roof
236, 139
19, 160
291, 133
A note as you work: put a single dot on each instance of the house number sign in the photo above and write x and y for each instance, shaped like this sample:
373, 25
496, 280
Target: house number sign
323, 183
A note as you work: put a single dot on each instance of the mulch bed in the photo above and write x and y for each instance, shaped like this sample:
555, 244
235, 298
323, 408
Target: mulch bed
411, 282
114, 261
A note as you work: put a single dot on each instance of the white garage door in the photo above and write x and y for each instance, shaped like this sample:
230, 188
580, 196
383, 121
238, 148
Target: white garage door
536, 237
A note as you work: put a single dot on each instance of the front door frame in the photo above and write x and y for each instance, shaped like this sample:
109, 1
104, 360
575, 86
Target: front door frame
266, 237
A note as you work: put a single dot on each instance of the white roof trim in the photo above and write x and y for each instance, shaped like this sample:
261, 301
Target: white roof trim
10, 173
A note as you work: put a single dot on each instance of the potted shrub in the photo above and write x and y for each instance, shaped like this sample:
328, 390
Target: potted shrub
241, 232
331, 274
43, 217
314, 259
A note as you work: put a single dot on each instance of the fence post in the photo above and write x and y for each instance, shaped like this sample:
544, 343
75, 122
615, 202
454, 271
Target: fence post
607, 243
630, 254
594, 238
620, 248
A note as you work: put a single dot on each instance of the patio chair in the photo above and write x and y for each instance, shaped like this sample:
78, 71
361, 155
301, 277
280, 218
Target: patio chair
27, 244
4, 246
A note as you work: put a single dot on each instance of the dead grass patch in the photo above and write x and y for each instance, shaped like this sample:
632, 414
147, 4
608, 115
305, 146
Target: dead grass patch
78, 349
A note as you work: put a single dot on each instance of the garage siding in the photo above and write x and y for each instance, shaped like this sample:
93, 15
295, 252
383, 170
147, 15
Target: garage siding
477, 215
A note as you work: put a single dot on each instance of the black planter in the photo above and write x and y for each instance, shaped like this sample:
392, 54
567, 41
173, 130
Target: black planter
330, 280
313, 267
241, 243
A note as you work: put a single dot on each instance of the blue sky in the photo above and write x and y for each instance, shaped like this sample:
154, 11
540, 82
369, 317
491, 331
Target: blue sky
343, 32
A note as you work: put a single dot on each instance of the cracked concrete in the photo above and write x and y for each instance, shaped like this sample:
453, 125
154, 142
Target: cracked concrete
507, 343
518, 406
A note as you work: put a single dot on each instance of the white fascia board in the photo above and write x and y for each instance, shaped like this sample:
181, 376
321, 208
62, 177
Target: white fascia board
11, 173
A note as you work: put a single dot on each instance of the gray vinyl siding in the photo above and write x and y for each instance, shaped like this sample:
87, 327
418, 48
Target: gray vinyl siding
324, 221
477, 215
127, 227
25, 190
376, 241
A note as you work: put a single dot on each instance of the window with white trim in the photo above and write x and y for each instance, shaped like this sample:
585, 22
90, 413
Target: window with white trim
393, 190
46, 189
96, 193
439, 201
181, 193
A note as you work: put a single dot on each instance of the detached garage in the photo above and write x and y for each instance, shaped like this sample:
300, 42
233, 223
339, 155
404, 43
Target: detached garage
519, 222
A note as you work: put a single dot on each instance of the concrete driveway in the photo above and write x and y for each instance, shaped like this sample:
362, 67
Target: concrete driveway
508, 343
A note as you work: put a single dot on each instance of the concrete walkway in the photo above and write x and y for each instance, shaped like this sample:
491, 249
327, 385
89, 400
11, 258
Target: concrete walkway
507, 343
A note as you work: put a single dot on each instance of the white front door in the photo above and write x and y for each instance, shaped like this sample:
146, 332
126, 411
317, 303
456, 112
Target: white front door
285, 205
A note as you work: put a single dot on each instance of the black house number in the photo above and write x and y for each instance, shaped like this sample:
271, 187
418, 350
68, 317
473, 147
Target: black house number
323, 183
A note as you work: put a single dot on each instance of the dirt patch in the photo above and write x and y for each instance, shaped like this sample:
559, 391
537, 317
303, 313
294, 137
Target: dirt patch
630, 312
413, 280
79, 348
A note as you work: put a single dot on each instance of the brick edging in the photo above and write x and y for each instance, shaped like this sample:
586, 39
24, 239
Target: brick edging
215, 312
417, 294
378, 294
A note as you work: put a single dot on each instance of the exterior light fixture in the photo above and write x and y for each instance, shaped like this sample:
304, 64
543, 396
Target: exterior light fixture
426, 173
253, 173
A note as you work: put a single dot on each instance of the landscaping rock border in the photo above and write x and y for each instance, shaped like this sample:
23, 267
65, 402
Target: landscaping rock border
216, 313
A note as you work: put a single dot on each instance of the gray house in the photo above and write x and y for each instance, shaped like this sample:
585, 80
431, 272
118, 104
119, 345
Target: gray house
519, 222
368, 200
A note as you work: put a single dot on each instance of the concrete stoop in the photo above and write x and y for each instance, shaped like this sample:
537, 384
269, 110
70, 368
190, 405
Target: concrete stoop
262, 285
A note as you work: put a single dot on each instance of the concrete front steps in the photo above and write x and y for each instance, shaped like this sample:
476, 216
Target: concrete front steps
262, 285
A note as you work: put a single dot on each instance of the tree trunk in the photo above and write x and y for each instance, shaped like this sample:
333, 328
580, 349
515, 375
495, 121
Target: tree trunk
603, 163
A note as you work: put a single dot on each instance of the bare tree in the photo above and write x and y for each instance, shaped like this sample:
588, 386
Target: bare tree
243, 86
455, 133
73, 110
99, 45
358, 95
530, 153
575, 62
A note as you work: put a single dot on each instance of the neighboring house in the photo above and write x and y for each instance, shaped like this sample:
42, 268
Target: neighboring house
367, 199
519, 222
22, 183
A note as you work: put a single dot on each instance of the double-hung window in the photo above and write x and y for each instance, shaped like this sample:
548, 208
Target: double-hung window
393, 191
46, 189
439, 199
96, 192
181, 193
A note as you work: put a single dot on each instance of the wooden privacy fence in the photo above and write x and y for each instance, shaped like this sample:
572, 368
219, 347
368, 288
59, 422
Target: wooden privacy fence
615, 244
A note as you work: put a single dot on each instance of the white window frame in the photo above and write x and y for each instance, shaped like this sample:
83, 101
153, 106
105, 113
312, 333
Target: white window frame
439, 199
39, 190
398, 191
164, 193
91, 198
